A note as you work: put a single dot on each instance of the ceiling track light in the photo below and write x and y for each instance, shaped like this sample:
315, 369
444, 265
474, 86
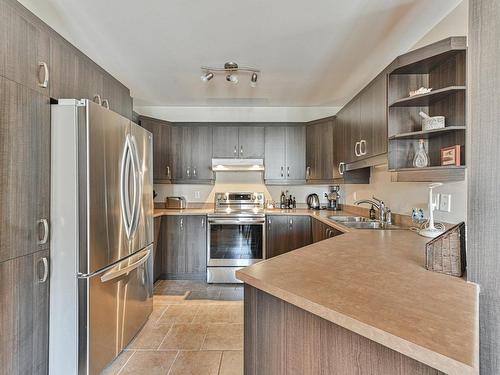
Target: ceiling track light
230, 70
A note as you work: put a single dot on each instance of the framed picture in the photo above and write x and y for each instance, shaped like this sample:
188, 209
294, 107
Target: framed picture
450, 155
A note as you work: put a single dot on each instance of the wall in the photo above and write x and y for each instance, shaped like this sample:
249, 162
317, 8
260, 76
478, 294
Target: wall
237, 181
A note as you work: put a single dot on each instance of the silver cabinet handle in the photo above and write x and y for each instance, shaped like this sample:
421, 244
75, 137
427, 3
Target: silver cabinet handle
105, 103
97, 99
194, 171
341, 168
188, 172
282, 171
45, 237
45, 275
181, 223
45, 82
241, 150
356, 152
328, 232
308, 172
203, 222
168, 171
361, 143
235, 151
290, 221
288, 171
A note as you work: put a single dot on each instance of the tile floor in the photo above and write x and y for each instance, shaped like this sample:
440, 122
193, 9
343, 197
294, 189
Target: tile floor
195, 328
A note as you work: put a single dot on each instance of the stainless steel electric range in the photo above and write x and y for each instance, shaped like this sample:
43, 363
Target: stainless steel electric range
236, 235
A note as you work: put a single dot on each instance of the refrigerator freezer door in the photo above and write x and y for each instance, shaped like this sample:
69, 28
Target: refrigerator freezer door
117, 302
142, 141
107, 242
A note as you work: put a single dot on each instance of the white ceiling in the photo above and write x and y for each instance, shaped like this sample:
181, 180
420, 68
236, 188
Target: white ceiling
311, 53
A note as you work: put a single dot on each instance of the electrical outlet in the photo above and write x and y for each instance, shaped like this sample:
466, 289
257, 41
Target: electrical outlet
445, 203
197, 195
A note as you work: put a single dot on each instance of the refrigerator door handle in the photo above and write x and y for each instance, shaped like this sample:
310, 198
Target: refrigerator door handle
117, 272
124, 187
137, 201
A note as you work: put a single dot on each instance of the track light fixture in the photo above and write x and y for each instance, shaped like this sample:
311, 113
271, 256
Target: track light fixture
230, 70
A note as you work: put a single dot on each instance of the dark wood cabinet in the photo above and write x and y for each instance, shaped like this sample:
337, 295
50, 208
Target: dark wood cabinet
285, 155
183, 246
321, 231
319, 151
251, 142
157, 254
238, 142
192, 154
24, 318
24, 170
286, 233
24, 52
162, 161
117, 96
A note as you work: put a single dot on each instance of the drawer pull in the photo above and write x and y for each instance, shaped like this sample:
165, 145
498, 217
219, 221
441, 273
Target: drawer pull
45, 82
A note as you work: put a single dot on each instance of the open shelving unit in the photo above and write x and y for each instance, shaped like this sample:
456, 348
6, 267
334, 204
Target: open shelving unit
442, 67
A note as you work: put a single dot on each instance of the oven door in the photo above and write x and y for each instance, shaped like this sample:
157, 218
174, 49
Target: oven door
235, 242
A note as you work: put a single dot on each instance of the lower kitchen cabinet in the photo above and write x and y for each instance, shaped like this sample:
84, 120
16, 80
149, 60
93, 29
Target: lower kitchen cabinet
24, 317
286, 233
321, 231
183, 247
157, 254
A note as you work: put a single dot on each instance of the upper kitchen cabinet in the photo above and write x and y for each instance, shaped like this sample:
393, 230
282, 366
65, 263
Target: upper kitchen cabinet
74, 75
25, 51
162, 161
319, 151
440, 67
285, 161
238, 142
192, 154
24, 170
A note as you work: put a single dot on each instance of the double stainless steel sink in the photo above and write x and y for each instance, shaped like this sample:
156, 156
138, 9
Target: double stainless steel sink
359, 222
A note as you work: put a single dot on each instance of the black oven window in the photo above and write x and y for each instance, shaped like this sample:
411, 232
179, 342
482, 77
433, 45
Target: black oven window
232, 241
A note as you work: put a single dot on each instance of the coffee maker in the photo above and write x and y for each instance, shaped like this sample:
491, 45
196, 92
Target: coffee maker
333, 198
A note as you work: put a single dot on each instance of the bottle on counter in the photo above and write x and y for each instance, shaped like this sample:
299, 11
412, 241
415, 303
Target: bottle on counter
282, 200
294, 203
290, 202
372, 213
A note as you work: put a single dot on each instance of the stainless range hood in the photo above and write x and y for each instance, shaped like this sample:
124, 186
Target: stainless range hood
238, 165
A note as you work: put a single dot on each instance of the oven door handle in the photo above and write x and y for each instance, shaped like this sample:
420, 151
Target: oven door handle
237, 221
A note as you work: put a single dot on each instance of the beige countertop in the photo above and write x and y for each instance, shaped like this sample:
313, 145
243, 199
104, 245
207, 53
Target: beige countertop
374, 283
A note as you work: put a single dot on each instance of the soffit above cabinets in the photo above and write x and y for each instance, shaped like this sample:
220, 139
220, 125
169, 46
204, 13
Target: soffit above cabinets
316, 53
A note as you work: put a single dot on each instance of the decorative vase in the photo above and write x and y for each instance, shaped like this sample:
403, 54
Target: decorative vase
421, 159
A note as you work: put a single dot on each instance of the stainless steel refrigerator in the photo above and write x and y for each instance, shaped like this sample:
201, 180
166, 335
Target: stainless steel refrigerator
102, 233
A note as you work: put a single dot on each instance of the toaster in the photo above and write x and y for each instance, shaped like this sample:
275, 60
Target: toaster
175, 202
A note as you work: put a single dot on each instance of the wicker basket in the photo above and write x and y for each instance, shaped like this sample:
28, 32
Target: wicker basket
446, 253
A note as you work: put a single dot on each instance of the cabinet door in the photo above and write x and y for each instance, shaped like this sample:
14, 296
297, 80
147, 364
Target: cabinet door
339, 147
24, 47
201, 153
24, 170
24, 321
181, 153
295, 145
374, 117
225, 142
157, 253
196, 246
251, 142
352, 130
117, 95
162, 167
313, 171
173, 236
317, 230
299, 232
275, 153
326, 149
276, 235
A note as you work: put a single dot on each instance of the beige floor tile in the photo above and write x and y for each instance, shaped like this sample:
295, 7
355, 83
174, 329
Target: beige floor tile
224, 337
196, 363
220, 313
158, 311
115, 366
232, 363
150, 337
149, 362
184, 337
179, 314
